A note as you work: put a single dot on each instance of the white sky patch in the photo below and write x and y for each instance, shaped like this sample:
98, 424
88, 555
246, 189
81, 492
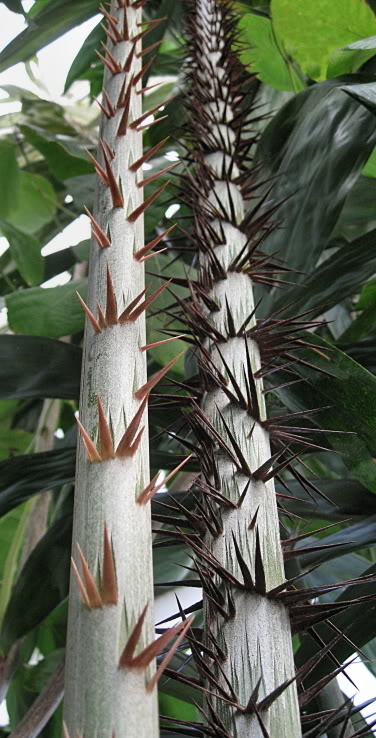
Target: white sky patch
77, 231
4, 245
172, 156
170, 212
58, 280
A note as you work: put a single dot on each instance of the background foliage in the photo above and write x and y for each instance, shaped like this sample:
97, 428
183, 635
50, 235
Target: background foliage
315, 67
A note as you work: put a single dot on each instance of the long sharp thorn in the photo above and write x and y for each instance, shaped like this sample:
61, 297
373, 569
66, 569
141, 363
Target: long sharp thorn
148, 49
128, 438
136, 312
162, 666
152, 123
143, 71
109, 104
117, 197
126, 657
148, 180
129, 59
143, 659
90, 315
106, 446
111, 57
151, 489
89, 582
124, 94
134, 446
65, 730
136, 123
113, 70
99, 170
109, 581
111, 305
80, 583
91, 449
108, 32
145, 249
101, 318
153, 150
97, 232
149, 200
148, 386
123, 124
125, 36
128, 310
160, 343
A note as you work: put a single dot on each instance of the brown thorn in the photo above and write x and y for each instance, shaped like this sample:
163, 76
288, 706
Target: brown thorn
134, 446
143, 659
80, 583
117, 197
123, 124
126, 657
109, 33
148, 49
143, 71
136, 123
144, 90
97, 232
109, 582
124, 94
137, 164
149, 200
160, 343
145, 249
152, 123
89, 314
126, 315
111, 58
94, 597
101, 318
148, 386
109, 104
164, 663
90, 447
152, 177
125, 446
129, 59
111, 304
99, 170
110, 151
128, 310
103, 109
151, 489
106, 445
113, 70
154, 253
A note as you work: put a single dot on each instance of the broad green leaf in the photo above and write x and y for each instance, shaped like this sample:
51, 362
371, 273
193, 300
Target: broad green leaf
86, 55
37, 204
26, 252
64, 160
25, 476
9, 178
369, 170
43, 583
52, 20
263, 51
351, 57
14, 442
339, 276
351, 538
359, 622
15, 522
364, 93
361, 326
351, 397
316, 167
51, 312
14, 5
32, 366
311, 29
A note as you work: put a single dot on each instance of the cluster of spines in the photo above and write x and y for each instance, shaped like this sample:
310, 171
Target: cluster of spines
279, 342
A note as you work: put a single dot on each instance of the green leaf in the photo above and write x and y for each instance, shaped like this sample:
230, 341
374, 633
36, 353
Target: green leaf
361, 326
351, 57
311, 29
53, 20
351, 538
43, 583
26, 252
51, 312
37, 204
25, 476
315, 167
263, 51
9, 178
339, 276
32, 366
63, 160
14, 442
351, 397
14, 5
86, 56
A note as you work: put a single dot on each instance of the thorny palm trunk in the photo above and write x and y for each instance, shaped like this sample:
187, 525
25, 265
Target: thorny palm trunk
111, 528
254, 634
